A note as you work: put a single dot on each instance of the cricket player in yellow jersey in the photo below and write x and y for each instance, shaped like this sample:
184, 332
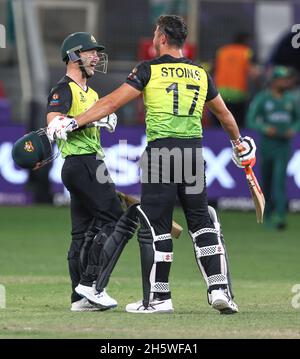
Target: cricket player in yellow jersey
175, 91
95, 206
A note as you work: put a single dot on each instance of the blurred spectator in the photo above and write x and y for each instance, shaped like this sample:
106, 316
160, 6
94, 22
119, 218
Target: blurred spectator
233, 68
275, 115
2, 93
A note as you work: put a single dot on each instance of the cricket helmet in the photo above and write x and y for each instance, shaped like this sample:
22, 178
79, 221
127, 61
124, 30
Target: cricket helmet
80, 42
33, 150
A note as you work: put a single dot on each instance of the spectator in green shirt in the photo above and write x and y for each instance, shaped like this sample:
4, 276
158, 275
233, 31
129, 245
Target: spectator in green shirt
275, 115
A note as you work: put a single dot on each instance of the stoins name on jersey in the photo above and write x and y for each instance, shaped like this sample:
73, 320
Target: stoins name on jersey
168, 71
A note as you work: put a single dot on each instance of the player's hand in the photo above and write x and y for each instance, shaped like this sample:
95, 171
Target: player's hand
243, 152
67, 125
53, 125
59, 127
109, 122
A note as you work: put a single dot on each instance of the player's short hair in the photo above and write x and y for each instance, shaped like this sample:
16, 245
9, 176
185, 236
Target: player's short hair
174, 27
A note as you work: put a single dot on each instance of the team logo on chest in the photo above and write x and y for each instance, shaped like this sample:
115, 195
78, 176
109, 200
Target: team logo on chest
82, 97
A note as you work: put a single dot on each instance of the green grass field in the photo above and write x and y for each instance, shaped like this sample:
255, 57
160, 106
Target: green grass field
33, 268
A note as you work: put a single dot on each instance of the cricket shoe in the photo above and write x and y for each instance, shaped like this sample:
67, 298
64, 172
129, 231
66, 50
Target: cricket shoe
155, 306
83, 305
101, 300
222, 302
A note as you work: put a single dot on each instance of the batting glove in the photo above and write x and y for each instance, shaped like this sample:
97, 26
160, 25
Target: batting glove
68, 124
109, 122
243, 152
60, 126
53, 125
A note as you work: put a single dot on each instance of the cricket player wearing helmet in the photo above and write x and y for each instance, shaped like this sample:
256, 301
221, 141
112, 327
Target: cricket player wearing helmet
175, 91
95, 207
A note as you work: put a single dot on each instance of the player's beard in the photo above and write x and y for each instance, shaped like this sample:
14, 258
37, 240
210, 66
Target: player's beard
85, 73
88, 72
87, 69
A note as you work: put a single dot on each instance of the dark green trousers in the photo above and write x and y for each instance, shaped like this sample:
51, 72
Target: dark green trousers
274, 158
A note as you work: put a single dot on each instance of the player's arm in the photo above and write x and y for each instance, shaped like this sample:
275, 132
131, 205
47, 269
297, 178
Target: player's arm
108, 104
59, 104
51, 115
59, 101
219, 109
135, 83
243, 148
217, 106
131, 89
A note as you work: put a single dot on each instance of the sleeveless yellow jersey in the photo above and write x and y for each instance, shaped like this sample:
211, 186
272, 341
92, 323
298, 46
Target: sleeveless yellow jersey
70, 99
175, 91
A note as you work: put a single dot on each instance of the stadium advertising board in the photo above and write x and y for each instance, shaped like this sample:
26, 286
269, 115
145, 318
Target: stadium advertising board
226, 183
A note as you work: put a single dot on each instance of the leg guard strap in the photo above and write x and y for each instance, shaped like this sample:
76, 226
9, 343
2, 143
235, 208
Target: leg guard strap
163, 257
160, 287
162, 237
202, 231
217, 279
209, 250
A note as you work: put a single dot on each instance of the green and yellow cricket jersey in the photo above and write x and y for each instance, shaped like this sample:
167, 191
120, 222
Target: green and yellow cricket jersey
175, 91
70, 99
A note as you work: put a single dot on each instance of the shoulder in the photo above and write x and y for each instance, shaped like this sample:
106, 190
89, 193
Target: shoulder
60, 96
62, 86
139, 75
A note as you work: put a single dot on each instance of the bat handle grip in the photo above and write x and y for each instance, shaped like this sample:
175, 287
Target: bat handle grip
248, 170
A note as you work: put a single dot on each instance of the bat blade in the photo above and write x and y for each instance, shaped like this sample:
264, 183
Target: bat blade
256, 193
129, 200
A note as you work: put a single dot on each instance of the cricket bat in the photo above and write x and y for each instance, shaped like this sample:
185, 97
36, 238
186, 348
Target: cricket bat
256, 193
129, 200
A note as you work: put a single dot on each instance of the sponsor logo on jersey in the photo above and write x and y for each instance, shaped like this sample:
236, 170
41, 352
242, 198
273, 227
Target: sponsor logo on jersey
132, 76
82, 98
55, 100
